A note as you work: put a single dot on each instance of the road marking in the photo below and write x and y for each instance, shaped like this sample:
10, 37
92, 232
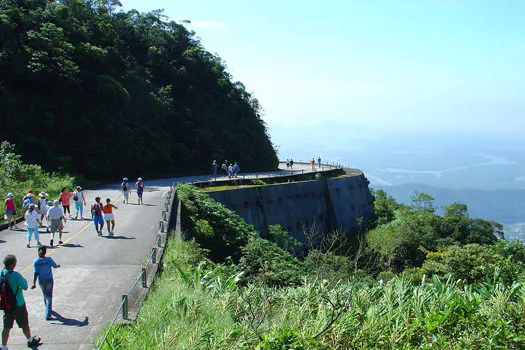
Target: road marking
52, 250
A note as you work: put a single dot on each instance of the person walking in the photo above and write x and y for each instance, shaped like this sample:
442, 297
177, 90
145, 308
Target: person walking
139, 185
80, 202
28, 202
42, 267
319, 162
96, 213
108, 216
312, 163
230, 171
32, 223
55, 217
236, 169
125, 190
64, 198
19, 313
10, 211
42, 207
214, 167
224, 168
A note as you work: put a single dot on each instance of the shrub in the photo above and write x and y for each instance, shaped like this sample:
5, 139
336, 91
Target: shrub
288, 339
278, 235
385, 276
263, 261
258, 182
212, 225
471, 263
329, 266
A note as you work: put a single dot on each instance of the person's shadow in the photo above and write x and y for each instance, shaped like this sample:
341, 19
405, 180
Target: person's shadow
70, 321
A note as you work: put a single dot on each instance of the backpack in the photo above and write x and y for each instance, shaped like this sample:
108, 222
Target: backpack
95, 209
75, 196
124, 187
7, 297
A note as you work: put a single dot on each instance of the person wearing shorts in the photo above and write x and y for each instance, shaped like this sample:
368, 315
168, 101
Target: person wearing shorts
96, 213
55, 217
19, 313
108, 216
10, 211
139, 185
64, 198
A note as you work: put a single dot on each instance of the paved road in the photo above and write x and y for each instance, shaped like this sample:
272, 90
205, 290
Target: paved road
96, 271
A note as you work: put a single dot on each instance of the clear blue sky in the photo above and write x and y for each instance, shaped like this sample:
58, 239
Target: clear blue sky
370, 65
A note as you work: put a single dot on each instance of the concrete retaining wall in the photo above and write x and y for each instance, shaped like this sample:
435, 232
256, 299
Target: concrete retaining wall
331, 203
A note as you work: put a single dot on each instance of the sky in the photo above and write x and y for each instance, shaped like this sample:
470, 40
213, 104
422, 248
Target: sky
385, 66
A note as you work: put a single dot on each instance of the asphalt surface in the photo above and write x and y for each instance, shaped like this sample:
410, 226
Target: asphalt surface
95, 271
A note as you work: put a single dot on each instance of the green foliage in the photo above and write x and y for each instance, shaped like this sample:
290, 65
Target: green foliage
394, 315
470, 263
80, 67
18, 177
213, 226
258, 182
288, 339
329, 266
384, 207
278, 235
263, 261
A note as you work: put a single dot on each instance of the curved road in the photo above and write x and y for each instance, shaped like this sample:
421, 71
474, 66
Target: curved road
96, 271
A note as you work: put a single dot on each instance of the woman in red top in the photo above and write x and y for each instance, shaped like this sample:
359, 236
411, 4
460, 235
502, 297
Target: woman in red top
108, 216
64, 198
10, 211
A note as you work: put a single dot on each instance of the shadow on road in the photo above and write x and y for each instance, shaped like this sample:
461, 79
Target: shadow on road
119, 237
71, 245
70, 321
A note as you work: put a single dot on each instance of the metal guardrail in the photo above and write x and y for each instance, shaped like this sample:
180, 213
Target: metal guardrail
149, 269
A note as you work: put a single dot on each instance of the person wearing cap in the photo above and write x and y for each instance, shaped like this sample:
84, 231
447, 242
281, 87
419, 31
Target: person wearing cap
28, 201
55, 216
42, 207
139, 185
32, 223
125, 190
10, 211
80, 202
108, 216
43, 272
96, 213
27, 195
18, 283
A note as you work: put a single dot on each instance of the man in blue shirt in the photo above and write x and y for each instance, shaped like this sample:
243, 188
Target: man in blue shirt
44, 274
19, 312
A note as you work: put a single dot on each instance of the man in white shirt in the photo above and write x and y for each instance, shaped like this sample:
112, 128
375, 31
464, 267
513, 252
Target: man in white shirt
55, 216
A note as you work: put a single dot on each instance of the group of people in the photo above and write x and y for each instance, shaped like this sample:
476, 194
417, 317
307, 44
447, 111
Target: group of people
289, 164
12, 285
36, 210
228, 169
312, 163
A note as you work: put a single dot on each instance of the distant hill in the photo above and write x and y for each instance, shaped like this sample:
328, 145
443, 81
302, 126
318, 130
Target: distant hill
504, 206
92, 90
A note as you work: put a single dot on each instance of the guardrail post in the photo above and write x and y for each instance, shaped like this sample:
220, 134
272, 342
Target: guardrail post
144, 284
154, 255
125, 307
164, 215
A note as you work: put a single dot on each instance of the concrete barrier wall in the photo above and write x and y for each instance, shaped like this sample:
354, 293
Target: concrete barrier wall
331, 203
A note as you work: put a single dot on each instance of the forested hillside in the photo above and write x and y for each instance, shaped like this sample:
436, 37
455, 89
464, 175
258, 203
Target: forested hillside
93, 90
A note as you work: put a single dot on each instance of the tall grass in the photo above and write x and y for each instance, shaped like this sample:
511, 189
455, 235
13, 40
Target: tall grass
193, 306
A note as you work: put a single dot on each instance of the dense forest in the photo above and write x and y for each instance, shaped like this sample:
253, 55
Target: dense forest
87, 88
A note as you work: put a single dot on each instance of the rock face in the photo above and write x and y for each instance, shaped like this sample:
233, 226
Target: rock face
330, 203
